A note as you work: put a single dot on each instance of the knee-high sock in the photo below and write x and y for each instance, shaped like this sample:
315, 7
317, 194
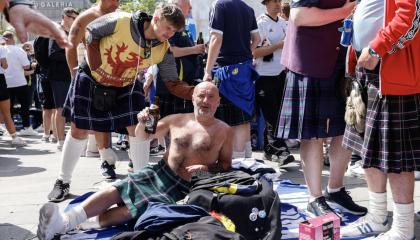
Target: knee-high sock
403, 224
72, 149
75, 216
139, 152
91, 144
248, 149
107, 154
377, 206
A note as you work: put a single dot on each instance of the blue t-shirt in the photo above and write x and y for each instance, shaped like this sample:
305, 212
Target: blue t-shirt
235, 21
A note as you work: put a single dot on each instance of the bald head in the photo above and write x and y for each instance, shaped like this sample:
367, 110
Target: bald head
206, 99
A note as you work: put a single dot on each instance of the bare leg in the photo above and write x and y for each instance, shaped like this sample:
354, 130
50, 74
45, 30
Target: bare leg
402, 187
5, 112
53, 125
376, 180
339, 158
60, 122
311, 155
102, 139
46, 120
241, 135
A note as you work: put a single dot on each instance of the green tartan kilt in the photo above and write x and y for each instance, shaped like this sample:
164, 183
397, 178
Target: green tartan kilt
156, 183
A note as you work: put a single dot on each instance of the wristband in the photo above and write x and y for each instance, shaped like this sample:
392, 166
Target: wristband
373, 53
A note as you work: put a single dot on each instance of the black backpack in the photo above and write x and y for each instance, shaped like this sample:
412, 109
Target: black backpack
41, 46
206, 228
256, 215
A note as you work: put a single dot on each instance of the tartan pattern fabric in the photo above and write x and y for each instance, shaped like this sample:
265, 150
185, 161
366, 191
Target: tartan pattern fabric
312, 108
156, 183
392, 134
169, 104
352, 140
231, 114
79, 108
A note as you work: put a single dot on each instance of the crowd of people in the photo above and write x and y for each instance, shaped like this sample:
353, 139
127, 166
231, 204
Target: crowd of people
287, 65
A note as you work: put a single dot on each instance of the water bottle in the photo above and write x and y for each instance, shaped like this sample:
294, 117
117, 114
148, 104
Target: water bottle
346, 32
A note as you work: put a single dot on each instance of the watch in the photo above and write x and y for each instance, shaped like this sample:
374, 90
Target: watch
13, 3
373, 53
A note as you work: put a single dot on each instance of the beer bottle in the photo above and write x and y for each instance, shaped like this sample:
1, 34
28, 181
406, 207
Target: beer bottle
200, 39
151, 123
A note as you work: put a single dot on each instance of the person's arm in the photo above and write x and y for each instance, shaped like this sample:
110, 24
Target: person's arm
397, 34
76, 34
185, 51
95, 31
169, 75
3, 63
224, 162
312, 16
255, 40
24, 20
215, 44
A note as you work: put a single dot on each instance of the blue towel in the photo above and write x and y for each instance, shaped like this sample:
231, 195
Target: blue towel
160, 216
237, 84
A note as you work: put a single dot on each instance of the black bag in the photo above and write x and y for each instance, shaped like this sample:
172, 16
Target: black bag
205, 228
256, 216
104, 98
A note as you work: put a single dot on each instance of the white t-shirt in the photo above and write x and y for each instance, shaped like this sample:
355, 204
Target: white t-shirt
3, 54
272, 31
16, 59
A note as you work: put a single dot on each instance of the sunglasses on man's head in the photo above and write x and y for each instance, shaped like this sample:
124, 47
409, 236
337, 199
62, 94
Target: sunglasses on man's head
70, 16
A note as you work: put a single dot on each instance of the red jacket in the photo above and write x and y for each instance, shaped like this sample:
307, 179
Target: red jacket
398, 43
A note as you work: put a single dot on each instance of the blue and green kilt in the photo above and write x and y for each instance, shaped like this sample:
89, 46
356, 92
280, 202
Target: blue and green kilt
312, 108
392, 134
79, 108
157, 183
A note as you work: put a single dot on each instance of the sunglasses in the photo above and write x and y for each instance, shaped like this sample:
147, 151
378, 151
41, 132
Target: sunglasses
72, 17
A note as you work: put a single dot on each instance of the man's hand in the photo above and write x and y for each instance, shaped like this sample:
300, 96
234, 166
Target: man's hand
207, 77
196, 169
143, 116
199, 49
24, 20
366, 60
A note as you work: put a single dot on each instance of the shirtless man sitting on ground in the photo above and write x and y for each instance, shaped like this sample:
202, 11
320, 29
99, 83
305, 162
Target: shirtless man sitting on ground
199, 142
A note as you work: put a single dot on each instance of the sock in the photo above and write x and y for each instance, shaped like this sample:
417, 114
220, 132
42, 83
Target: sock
60, 142
107, 154
139, 152
238, 155
72, 149
333, 190
75, 216
91, 143
91, 223
377, 206
248, 149
13, 135
403, 224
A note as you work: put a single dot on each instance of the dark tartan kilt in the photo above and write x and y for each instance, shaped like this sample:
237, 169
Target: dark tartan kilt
157, 183
79, 109
170, 104
353, 140
392, 134
231, 114
312, 108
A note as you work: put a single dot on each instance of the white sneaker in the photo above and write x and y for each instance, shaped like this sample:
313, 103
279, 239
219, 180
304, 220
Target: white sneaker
18, 142
45, 138
364, 226
417, 175
29, 131
40, 129
60, 145
392, 235
51, 221
356, 170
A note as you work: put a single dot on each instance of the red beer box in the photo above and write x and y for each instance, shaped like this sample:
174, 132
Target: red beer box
326, 227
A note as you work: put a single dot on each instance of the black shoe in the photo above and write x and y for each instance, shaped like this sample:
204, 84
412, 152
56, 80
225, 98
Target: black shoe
343, 200
124, 145
59, 192
107, 170
130, 166
157, 150
318, 207
283, 158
